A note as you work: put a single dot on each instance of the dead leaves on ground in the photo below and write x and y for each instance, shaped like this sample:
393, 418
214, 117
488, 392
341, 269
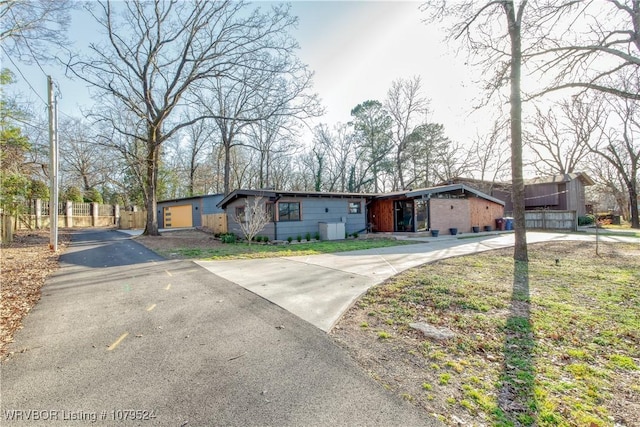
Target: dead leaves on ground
25, 264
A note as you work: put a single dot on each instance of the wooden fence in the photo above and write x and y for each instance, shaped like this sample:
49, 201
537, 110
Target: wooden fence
132, 220
551, 220
217, 223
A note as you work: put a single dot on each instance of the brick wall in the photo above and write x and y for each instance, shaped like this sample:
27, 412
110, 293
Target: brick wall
450, 213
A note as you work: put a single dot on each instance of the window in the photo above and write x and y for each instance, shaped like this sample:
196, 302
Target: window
239, 216
289, 211
355, 207
268, 206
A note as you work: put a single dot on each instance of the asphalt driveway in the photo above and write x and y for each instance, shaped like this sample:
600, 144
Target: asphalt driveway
122, 337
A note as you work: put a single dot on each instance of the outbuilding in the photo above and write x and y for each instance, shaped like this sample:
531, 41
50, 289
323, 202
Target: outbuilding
187, 211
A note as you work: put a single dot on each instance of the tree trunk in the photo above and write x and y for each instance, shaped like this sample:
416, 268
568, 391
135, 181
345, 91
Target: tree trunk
192, 174
151, 183
633, 199
517, 193
399, 166
227, 167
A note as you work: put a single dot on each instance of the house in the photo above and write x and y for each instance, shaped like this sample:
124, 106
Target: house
187, 211
442, 208
555, 192
558, 192
296, 213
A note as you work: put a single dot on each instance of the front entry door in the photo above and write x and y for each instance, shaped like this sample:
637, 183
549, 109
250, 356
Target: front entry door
404, 215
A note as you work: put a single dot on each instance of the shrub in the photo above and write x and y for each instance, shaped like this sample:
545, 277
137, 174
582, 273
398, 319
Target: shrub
586, 220
228, 238
258, 239
307, 237
299, 238
355, 235
265, 239
289, 239
317, 236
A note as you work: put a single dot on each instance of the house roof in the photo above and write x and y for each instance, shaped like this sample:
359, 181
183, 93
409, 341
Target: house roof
450, 188
273, 194
203, 196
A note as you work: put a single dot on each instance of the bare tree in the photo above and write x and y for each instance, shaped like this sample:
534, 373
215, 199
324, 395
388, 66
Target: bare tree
491, 154
82, 159
595, 44
191, 152
338, 146
30, 28
621, 148
453, 161
259, 91
561, 136
252, 217
272, 138
609, 186
157, 51
407, 108
493, 32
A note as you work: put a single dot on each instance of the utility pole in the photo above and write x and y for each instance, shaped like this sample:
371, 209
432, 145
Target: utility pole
53, 167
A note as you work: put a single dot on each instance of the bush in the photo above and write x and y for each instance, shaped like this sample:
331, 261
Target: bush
307, 237
289, 239
317, 236
228, 238
257, 239
586, 220
355, 235
265, 239
299, 238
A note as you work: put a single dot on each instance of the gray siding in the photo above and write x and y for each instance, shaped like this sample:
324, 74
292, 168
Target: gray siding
575, 197
209, 204
200, 205
313, 211
541, 195
234, 227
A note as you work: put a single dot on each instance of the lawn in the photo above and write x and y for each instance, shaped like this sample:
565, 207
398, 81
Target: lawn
561, 348
194, 244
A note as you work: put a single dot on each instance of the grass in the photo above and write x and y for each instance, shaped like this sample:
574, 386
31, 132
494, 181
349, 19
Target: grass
254, 251
536, 343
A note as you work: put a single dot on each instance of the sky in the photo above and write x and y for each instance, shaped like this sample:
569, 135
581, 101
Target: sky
356, 49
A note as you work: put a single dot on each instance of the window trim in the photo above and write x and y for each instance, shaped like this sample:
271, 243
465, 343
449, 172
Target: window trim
240, 213
359, 212
289, 211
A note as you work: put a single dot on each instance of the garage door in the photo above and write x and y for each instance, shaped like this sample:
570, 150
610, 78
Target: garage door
178, 216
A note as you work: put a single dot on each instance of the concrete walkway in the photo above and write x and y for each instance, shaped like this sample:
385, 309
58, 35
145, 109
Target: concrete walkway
320, 288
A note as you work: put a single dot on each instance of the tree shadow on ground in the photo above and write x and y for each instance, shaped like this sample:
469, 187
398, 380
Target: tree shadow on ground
516, 398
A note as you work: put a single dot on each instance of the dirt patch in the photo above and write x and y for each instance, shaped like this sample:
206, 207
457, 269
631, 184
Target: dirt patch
170, 241
25, 265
